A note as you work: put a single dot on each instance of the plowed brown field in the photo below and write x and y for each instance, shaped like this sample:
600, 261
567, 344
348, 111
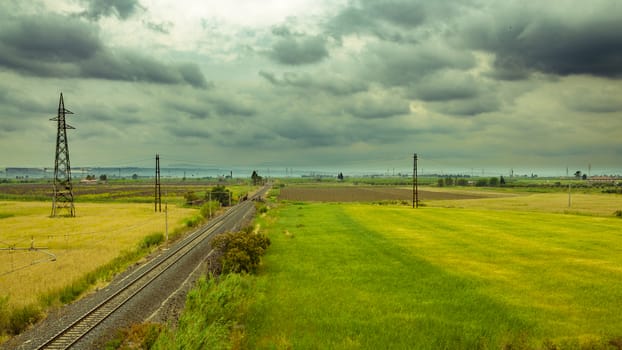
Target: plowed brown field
368, 194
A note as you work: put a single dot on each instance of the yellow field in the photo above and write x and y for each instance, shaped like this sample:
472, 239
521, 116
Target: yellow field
98, 234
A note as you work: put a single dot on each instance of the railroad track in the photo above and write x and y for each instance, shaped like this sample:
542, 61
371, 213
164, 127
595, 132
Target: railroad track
133, 284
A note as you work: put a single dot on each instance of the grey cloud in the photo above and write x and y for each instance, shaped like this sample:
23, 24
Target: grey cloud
392, 20
56, 46
333, 84
195, 132
446, 85
402, 64
194, 109
227, 107
468, 107
129, 66
526, 39
52, 38
376, 106
305, 133
299, 50
162, 27
598, 100
122, 9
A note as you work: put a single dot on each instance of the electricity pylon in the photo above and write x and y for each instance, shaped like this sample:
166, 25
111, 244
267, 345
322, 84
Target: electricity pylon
158, 191
63, 189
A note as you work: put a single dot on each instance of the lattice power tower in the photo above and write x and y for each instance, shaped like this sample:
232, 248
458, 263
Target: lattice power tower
63, 189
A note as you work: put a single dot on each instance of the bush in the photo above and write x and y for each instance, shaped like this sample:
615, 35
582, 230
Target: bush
618, 213
193, 221
240, 251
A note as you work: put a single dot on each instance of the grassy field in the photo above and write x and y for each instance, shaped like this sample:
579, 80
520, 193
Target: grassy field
347, 276
97, 234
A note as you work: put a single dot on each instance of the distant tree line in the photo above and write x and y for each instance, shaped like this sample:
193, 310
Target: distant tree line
481, 182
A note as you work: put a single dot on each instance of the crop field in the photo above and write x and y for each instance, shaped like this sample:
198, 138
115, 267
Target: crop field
138, 191
98, 233
485, 273
375, 193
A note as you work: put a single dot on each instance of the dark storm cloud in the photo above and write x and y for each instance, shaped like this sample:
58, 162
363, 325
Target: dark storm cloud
122, 9
526, 39
299, 50
333, 84
57, 46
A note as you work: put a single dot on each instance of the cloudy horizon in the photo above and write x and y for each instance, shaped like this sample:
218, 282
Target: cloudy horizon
466, 84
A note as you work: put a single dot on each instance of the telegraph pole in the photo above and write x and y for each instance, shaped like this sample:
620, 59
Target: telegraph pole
158, 192
63, 189
415, 183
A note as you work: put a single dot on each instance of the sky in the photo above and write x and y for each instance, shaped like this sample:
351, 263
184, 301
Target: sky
361, 84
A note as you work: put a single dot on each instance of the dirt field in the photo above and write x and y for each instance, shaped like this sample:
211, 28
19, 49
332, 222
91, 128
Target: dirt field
369, 194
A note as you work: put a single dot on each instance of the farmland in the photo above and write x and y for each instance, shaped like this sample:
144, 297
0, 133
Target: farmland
517, 271
114, 227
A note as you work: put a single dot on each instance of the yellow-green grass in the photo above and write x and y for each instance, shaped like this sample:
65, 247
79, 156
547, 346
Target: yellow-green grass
98, 234
580, 203
347, 276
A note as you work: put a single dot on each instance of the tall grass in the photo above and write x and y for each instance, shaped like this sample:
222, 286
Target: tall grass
211, 316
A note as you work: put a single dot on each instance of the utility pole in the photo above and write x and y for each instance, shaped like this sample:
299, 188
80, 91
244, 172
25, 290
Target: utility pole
415, 183
166, 219
158, 190
63, 189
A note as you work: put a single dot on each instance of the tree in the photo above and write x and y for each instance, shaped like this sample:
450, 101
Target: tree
577, 174
190, 197
340, 176
221, 195
134, 176
441, 183
493, 181
449, 181
501, 180
481, 182
103, 177
256, 178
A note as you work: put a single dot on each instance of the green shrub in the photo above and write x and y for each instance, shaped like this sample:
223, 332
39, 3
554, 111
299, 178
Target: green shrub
193, 221
151, 240
240, 251
618, 213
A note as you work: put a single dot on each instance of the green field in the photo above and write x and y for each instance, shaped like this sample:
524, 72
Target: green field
344, 276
